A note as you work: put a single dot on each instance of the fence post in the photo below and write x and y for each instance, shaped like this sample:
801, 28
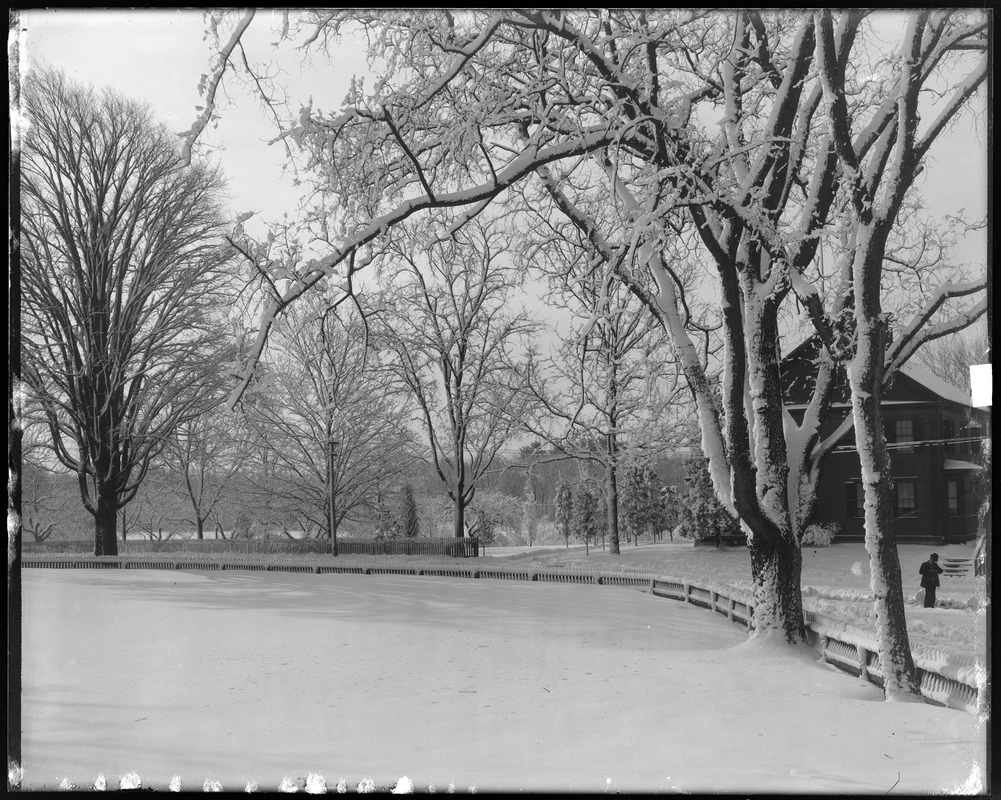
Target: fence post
729, 608
863, 658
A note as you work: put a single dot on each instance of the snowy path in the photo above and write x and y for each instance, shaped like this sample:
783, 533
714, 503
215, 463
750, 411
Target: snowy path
238, 676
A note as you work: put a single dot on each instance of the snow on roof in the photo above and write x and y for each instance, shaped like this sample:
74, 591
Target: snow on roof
935, 384
953, 464
800, 406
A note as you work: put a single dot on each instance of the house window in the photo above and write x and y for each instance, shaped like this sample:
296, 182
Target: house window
949, 435
970, 439
903, 430
954, 498
906, 498
854, 499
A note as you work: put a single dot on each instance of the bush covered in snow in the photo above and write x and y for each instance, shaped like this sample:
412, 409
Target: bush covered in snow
821, 534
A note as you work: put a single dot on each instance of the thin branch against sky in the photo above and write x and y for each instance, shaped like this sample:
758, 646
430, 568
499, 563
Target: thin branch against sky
160, 55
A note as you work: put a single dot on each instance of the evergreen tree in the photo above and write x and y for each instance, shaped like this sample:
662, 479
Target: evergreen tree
587, 515
530, 523
646, 507
700, 514
565, 510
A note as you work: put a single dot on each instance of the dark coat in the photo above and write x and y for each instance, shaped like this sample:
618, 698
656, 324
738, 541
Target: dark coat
930, 571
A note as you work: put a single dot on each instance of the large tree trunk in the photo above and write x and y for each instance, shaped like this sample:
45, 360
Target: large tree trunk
776, 567
865, 377
106, 521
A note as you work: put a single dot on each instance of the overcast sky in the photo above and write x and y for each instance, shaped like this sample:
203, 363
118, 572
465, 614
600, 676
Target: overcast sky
159, 56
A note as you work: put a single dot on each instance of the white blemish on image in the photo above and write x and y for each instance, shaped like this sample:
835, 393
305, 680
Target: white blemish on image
130, 780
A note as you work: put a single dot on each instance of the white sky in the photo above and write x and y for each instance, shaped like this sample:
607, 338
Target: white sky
159, 57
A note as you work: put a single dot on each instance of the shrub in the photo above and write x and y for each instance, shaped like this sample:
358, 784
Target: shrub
821, 534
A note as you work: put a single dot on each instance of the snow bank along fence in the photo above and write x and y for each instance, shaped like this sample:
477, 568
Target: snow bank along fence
456, 548
946, 679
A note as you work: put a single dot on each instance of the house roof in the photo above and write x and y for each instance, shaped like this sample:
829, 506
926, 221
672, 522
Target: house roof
920, 375
935, 384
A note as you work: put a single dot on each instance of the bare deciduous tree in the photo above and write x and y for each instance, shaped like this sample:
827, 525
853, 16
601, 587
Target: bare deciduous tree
951, 358
880, 149
609, 390
324, 385
206, 454
121, 287
453, 341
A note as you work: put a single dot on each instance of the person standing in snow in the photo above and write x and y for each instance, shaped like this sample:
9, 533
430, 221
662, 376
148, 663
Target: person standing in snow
930, 571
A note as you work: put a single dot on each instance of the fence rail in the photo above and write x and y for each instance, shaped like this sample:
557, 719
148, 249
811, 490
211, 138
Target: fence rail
948, 680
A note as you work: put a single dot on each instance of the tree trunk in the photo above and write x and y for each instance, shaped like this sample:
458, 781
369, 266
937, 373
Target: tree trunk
459, 517
106, 522
199, 527
612, 491
775, 569
865, 376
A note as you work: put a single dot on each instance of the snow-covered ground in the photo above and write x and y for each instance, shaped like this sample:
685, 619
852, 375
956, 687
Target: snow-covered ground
835, 582
244, 677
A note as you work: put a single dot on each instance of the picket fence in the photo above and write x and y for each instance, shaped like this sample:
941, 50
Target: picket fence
957, 682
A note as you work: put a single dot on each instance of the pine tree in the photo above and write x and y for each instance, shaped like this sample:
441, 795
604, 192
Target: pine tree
701, 516
565, 510
587, 515
530, 523
645, 506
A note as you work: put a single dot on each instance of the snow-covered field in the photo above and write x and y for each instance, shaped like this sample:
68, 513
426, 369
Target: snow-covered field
241, 677
835, 582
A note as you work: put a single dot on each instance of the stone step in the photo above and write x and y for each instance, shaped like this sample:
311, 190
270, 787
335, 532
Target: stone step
956, 567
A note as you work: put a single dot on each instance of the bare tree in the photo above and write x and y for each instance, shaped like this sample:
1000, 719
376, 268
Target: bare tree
155, 511
206, 454
610, 389
881, 149
453, 342
42, 502
323, 386
121, 287
950, 358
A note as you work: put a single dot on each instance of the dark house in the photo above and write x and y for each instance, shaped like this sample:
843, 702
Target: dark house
934, 437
